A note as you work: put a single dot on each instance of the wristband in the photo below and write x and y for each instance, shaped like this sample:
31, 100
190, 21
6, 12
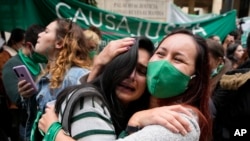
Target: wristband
132, 129
52, 131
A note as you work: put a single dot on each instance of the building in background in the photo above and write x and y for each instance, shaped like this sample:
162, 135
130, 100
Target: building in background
147, 9
198, 6
157, 9
215, 6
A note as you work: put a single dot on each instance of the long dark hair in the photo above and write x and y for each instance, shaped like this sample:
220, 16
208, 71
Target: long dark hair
197, 95
17, 35
231, 50
113, 74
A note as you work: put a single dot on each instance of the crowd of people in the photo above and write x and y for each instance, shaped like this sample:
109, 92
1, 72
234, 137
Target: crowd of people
187, 88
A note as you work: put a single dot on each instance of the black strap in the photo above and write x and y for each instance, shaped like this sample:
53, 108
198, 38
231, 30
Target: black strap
69, 108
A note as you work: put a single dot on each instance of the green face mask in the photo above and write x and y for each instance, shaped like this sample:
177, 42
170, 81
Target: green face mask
92, 54
216, 71
38, 58
164, 80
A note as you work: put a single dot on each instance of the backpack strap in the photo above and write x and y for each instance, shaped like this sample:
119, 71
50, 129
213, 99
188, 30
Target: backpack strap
69, 108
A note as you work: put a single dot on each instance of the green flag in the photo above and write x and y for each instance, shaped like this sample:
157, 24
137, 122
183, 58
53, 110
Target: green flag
23, 13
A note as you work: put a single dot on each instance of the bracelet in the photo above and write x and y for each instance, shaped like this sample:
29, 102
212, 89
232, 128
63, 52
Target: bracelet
52, 131
132, 129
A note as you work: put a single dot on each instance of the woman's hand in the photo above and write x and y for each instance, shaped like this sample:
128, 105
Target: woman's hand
167, 116
47, 118
113, 49
229, 39
108, 53
25, 89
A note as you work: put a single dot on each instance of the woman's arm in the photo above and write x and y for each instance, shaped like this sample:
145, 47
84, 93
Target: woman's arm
166, 116
47, 119
160, 133
61, 136
91, 122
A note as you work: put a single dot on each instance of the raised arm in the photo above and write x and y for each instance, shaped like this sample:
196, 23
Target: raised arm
109, 52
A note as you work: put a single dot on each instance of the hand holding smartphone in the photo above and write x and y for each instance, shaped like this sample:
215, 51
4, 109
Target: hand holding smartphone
23, 74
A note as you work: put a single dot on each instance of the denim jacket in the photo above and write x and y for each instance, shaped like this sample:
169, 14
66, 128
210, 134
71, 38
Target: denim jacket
45, 94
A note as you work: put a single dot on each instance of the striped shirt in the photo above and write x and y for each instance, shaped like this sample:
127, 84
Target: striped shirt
91, 120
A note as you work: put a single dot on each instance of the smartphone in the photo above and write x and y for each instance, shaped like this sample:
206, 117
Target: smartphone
23, 74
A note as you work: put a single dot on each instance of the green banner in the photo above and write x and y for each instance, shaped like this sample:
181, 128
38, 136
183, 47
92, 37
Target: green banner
246, 30
23, 13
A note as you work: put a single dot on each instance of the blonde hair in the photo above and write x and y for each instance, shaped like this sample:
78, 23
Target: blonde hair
91, 36
73, 53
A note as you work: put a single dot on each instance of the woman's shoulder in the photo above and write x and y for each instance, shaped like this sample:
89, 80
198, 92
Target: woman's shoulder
87, 103
77, 70
75, 73
13, 61
91, 112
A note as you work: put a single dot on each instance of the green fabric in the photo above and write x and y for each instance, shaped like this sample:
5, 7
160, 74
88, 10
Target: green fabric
33, 67
39, 58
52, 132
123, 134
246, 31
92, 54
112, 25
216, 70
36, 134
164, 80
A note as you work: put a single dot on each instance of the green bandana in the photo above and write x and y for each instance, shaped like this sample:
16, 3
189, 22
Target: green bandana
33, 67
92, 54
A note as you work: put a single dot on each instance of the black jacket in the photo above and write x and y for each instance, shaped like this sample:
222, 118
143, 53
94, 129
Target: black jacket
232, 102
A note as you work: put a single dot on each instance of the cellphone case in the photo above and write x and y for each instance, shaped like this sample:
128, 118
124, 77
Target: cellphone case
23, 74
